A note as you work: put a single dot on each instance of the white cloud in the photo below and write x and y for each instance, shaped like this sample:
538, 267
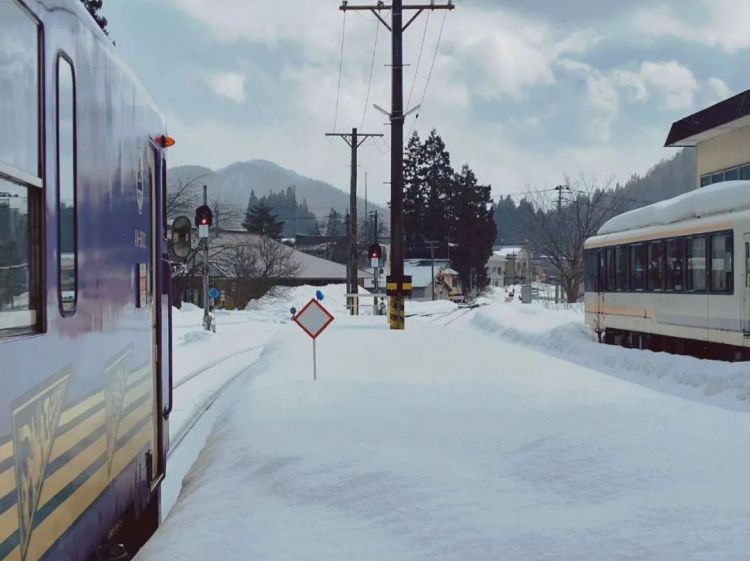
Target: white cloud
718, 23
675, 83
717, 90
230, 85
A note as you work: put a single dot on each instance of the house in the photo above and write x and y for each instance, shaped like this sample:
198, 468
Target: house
447, 280
508, 266
721, 135
244, 266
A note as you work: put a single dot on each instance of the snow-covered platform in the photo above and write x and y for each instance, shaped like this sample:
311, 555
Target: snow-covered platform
450, 444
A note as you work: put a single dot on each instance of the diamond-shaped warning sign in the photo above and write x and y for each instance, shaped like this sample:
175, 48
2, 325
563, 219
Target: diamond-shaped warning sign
313, 318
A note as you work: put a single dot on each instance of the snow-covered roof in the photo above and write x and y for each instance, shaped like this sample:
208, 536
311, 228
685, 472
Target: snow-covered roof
717, 198
508, 251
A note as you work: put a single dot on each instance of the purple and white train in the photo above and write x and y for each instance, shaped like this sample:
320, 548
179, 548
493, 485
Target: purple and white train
85, 372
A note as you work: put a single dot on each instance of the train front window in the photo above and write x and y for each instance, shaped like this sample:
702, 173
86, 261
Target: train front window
675, 265
637, 267
18, 266
721, 262
656, 261
696, 270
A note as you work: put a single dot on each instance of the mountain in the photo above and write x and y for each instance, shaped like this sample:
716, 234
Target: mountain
233, 184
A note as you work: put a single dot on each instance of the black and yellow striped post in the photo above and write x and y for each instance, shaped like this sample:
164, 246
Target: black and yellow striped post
397, 292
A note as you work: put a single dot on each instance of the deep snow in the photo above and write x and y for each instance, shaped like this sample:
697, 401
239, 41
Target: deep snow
467, 442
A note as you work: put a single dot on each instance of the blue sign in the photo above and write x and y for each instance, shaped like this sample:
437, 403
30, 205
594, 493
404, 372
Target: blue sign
292, 310
319, 295
214, 293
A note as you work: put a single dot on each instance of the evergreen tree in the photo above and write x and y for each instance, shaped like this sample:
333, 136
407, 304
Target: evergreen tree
260, 220
94, 6
415, 197
475, 228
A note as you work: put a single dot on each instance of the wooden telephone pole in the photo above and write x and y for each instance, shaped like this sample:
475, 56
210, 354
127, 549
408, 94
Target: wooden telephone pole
354, 140
398, 286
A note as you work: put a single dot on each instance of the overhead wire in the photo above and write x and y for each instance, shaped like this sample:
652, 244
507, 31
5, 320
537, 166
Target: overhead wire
419, 60
372, 68
341, 64
429, 75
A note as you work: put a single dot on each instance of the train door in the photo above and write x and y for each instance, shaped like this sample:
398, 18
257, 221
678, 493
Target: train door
601, 280
746, 287
157, 453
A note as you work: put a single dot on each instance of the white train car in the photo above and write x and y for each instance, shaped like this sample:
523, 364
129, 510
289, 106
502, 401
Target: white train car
675, 276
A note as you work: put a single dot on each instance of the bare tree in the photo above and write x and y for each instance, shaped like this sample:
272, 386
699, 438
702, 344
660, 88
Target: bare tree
183, 196
560, 229
263, 261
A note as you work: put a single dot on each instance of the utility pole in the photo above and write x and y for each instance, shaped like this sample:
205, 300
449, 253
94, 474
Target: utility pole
397, 285
354, 140
432, 245
559, 189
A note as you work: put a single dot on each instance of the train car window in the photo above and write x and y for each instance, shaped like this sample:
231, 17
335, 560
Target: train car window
675, 265
717, 177
745, 172
721, 262
705, 180
732, 174
696, 264
610, 269
66, 176
656, 266
19, 240
601, 284
589, 270
621, 268
20, 172
637, 267
19, 90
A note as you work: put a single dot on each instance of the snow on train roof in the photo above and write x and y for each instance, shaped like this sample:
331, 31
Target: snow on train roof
712, 199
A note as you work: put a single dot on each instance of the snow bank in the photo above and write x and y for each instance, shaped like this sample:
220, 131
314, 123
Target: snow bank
455, 446
563, 333
712, 199
415, 308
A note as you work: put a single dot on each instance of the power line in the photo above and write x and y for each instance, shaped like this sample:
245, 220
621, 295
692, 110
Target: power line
372, 67
429, 75
419, 59
341, 63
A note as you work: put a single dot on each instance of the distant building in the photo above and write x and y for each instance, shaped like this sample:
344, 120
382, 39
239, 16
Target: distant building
447, 280
721, 135
508, 266
236, 288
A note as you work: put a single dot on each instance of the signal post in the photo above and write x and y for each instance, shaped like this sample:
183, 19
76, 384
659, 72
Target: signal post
204, 218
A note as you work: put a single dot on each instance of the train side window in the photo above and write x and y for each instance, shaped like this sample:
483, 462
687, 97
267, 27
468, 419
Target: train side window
66, 185
601, 279
732, 174
745, 172
721, 262
717, 177
656, 262
20, 173
637, 267
705, 180
675, 265
610, 269
696, 264
621, 267
589, 270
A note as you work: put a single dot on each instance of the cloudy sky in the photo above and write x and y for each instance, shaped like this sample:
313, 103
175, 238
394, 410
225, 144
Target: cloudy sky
525, 91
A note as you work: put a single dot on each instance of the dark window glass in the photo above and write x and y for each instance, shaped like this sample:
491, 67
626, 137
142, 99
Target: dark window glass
696, 266
705, 180
602, 270
745, 172
675, 264
732, 174
721, 262
589, 270
66, 155
19, 90
637, 267
656, 266
610, 269
717, 177
18, 268
621, 265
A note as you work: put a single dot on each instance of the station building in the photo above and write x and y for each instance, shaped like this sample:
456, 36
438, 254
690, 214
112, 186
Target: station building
721, 135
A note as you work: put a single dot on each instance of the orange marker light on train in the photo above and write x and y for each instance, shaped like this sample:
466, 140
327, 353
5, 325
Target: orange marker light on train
165, 141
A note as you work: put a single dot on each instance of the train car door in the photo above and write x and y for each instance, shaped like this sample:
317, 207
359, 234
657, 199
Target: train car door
746, 287
157, 452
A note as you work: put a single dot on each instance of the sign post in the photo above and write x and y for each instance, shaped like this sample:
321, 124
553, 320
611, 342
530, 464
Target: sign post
313, 318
